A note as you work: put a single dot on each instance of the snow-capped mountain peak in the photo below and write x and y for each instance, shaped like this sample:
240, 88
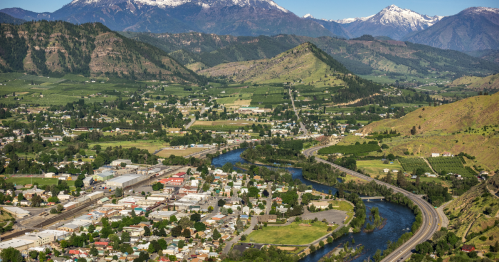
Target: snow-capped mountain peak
398, 16
480, 10
268, 4
308, 16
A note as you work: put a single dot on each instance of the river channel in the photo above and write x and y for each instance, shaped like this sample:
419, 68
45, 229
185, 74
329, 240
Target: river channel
399, 218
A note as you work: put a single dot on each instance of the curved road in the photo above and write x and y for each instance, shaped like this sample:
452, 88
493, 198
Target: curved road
429, 213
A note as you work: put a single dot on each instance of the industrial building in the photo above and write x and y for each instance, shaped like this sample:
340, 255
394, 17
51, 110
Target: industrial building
17, 212
125, 180
118, 162
104, 176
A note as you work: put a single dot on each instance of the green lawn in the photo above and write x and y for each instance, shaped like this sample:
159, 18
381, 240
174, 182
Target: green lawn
39, 180
150, 145
293, 234
375, 167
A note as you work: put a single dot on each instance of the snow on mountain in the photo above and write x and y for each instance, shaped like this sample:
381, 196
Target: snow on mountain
397, 16
308, 16
174, 3
481, 10
351, 20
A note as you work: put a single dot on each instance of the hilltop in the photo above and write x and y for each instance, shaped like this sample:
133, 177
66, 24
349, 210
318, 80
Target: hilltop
305, 63
477, 83
468, 125
379, 60
57, 48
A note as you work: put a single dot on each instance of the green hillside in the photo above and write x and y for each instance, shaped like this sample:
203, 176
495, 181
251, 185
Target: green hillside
469, 125
477, 83
58, 48
379, 60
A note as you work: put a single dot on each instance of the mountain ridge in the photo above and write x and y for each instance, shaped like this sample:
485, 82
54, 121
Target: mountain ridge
90, 49
234, 17
475, 28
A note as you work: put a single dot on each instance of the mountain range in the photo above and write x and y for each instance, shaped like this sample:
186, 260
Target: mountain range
362, 56
392, 21
473, 29
470, 30
57, 48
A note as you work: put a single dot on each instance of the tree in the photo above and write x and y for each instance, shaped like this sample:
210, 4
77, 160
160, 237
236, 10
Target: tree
185, 222
59, 208
162, 243
11, 254
424, 248
196, 217
91, 228
118, 192
221, 203
151, 248
243, 238
216, 234
186, 233
33, 254
181, 244
147, 231
377, 256
125, 237
199, 226
94, 251
176, 231
20, 197
42, 257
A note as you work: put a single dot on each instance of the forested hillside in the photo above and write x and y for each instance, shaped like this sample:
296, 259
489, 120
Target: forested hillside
56, 48
363, 56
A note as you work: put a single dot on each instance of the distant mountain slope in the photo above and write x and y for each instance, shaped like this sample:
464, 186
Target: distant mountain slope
488, 54
475, 28
7, 19
234, 17
365, 57
334, 27
392, 21
57, 48
445, 128
477, 83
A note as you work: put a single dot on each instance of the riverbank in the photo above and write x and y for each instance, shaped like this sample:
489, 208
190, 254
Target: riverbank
399, 218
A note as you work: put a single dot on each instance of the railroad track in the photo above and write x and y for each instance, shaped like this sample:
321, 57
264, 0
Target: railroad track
430, 215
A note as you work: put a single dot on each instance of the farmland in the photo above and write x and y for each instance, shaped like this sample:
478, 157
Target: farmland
40, 180
178, 152
412, 164
150, 145
350, 149
449, 165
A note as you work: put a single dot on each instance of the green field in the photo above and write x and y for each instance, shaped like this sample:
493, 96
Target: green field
375, 167
411, 164
150, 145
449, 165
41, 181
350, 149
293, 234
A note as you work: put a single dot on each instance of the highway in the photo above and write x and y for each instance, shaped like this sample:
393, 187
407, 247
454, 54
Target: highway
302, 126
431, 219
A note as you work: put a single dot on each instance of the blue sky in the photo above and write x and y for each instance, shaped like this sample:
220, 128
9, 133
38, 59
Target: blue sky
329, 9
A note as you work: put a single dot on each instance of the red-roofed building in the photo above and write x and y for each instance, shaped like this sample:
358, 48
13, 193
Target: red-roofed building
468, 248
101, 243
172, 181
181, 174
74, 252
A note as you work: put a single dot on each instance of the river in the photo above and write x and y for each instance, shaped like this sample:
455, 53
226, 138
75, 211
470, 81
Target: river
399, 218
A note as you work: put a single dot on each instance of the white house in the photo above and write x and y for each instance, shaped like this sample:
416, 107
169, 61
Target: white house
435, 154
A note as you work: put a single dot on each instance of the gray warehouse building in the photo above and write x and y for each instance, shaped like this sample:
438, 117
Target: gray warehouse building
125, 180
